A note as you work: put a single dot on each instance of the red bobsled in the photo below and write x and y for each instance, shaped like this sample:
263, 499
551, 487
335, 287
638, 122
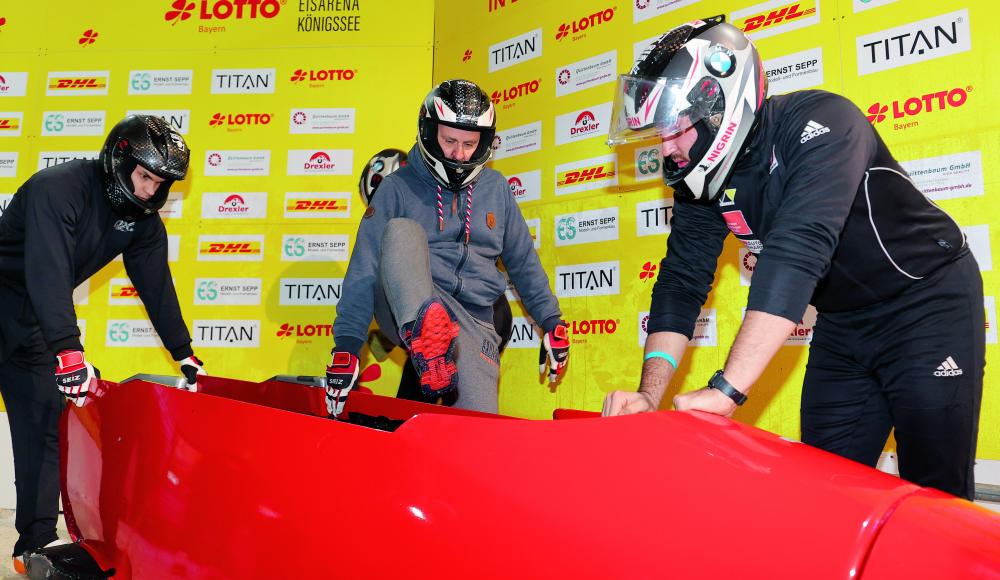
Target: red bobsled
246, 480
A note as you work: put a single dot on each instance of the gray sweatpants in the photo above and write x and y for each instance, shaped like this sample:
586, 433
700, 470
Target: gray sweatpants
405, 284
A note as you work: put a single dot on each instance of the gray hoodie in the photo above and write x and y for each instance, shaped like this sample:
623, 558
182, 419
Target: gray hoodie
467, 271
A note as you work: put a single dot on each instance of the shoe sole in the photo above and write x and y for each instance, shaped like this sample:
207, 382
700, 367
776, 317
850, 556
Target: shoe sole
432, 349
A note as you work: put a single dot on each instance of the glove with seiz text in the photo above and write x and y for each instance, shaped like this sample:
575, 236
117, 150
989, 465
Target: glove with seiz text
341, 375
555, 350
75, 377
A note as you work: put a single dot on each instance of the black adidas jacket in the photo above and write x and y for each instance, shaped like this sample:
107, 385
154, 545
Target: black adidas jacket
833, 218
58, 230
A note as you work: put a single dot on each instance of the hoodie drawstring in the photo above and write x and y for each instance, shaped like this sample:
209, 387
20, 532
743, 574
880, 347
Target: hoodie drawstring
468, 213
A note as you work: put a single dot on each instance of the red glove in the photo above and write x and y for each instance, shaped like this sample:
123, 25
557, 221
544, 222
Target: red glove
341, 375
75, 377
555, 348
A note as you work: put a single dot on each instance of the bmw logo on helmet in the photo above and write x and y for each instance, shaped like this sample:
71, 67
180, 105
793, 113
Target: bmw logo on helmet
720, 61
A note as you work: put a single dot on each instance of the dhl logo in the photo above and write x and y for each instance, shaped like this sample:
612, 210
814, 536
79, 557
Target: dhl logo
593, 173
217, 248
10, 124
124, 291
77, 83
533, 230
772, 18
314, 205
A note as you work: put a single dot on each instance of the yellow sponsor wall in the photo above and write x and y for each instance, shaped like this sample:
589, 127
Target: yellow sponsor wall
281, 103
919, 69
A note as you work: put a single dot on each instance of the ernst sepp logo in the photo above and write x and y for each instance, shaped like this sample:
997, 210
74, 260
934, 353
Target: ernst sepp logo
916, 106
579, 26
181, 10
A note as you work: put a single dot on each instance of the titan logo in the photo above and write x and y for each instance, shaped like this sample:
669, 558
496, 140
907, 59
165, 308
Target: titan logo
222, 10
287, 330
777, 16
242, 81
596, 172
79, 83
923, 104
239, 119
323, 75
584, 23
319, 160
314, 205
231, 248
527, 88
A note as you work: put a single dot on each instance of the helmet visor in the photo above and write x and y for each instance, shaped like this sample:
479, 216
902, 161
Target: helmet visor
662, 108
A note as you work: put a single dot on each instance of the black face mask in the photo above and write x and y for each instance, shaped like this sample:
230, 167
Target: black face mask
672, 173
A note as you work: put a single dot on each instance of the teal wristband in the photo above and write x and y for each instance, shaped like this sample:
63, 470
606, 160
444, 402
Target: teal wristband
660, 354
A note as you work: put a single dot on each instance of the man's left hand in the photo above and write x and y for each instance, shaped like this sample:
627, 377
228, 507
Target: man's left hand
191, 367
555, 350
705, 399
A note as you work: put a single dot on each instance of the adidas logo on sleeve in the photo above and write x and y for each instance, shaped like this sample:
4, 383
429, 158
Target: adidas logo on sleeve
813, 129
948, 368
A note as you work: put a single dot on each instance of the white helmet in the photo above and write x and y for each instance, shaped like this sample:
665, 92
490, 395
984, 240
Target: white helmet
707, 76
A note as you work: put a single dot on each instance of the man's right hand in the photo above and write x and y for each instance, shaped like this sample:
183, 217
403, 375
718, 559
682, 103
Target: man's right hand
341, 375
627, 403
75, 377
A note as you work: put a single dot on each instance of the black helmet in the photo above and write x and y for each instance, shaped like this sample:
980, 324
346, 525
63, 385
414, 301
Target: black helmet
148, 141
707, 76
378, 168
462, 105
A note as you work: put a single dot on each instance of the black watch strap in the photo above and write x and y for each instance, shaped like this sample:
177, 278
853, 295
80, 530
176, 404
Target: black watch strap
720, 383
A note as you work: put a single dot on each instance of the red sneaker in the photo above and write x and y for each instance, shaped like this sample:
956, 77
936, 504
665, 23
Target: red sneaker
432, 348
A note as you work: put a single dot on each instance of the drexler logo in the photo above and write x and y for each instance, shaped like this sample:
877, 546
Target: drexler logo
585, 123
578, 26
516, 187
913, 106
181, 10
234, 204
319, 160
239, 119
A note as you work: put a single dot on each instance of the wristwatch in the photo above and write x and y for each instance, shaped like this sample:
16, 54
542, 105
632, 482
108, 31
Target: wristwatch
720, 383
